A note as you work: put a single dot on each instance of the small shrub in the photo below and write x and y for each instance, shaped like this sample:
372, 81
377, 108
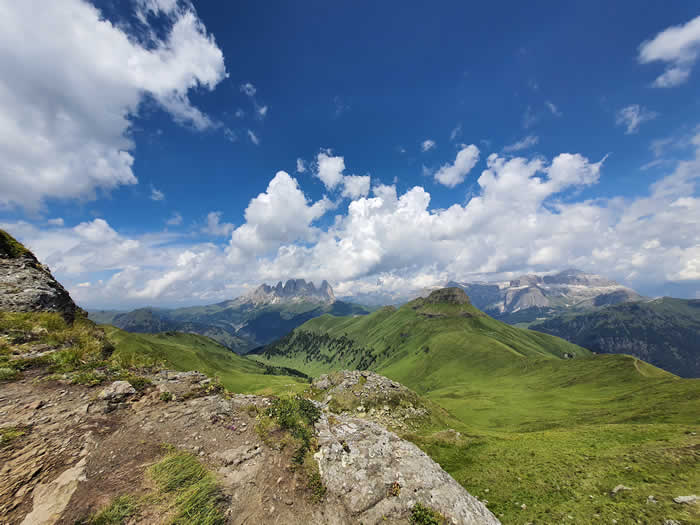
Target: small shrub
423, 515
313, 479
87, 378
165, 396
139, 383
395, 489
7, 374
10, 434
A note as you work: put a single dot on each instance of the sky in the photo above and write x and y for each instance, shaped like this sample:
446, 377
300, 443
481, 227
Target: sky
167, 152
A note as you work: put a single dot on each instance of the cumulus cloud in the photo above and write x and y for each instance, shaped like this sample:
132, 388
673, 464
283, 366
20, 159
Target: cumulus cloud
451, 175
214, 225
58, 221
677, 47
301, 165
525, 143
330, 170
456, 132
282, 214
427, 145
355, 186
520, 219
633, 116
71, 83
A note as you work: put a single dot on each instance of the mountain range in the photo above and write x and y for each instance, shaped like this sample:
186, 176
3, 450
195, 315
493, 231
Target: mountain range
257, 318
533, 297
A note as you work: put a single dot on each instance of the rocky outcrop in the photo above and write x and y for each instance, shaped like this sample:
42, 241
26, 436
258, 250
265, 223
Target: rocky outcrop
26, 285
379, 477
452, 295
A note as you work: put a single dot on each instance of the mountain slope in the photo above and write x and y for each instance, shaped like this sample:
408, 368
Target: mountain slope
664, 332
187, 352
241, 324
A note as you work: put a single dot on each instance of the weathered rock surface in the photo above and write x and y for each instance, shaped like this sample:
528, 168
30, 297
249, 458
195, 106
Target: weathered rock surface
378, 476
26, 285
686, 499
117, 391
73, 459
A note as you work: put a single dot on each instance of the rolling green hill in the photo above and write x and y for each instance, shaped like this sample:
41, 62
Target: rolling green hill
545, 423
185, 352
664, 332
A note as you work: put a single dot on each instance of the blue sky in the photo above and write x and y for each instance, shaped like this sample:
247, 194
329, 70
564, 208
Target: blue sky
435, 142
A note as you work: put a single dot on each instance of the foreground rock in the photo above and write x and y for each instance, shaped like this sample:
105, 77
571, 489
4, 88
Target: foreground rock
26, 285
76, 456
378, 476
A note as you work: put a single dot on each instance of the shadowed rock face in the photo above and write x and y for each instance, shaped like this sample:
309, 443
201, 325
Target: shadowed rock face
26, 285
294, 290
448, 295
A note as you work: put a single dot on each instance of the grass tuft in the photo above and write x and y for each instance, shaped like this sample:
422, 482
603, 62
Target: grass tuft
117, 513
197, 498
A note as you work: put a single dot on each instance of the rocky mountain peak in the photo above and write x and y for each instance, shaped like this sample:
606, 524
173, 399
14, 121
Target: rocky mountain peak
294, 290
26, 285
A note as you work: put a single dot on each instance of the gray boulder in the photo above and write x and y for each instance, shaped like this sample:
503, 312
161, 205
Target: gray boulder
26, 285
376, 475
117, 391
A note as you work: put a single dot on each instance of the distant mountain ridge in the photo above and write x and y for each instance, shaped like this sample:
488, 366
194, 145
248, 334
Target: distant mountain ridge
257, 318
533, 297
293, 291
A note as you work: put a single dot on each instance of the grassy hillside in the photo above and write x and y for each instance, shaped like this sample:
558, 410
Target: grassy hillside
664, 332
541, 428
194, 352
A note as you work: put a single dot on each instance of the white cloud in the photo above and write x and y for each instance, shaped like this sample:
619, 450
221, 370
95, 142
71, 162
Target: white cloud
525, 143
71, 83
58, 221
174, 220
156, 195
301, 165
456, 132
518, 221
427, 145
239, 113
451, 175
329, 169
248, 89
355, 186
282, 214
253, 137
215, 227
86, 284
676, 46
632, 116
261, 111
553, 108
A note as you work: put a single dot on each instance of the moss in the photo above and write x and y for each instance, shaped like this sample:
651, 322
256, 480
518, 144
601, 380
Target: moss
424, 515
